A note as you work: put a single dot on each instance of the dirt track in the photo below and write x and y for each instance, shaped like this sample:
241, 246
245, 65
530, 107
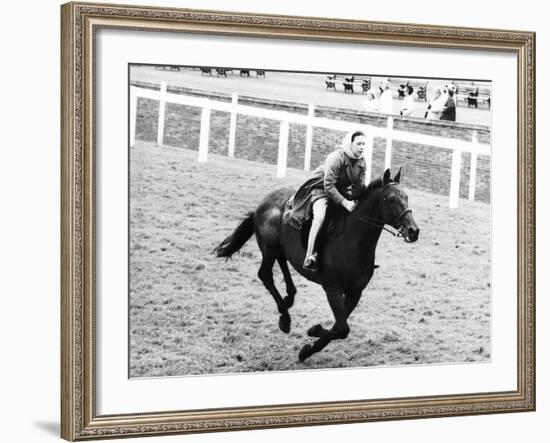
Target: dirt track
191, 313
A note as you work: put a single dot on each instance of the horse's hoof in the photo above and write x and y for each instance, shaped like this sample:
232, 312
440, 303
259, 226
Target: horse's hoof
305, 352
284, 323
315, 331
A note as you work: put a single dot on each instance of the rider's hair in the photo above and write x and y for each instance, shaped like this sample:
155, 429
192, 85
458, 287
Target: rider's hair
356, 134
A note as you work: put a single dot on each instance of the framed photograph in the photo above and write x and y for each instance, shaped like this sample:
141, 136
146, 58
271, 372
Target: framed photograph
277, 221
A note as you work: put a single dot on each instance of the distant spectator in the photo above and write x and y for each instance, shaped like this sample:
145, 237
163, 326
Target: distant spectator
436, 105
401, 91
386, 99
371, 103
453, 88
448, 88
407, 107
449, 110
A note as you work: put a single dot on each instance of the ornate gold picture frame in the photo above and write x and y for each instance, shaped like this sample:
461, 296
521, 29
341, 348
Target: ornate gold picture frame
80, 23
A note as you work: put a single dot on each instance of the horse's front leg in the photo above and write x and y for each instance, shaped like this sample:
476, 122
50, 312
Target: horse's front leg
308, 350
339, 330
351, 300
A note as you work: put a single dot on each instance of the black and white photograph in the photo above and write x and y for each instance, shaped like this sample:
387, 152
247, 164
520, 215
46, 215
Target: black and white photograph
286, 220
276, 221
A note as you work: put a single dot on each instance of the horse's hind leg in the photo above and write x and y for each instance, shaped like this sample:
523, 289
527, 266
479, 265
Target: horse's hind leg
290, 288
266, 276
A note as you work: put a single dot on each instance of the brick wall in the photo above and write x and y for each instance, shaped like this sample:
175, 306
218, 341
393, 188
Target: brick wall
257, 139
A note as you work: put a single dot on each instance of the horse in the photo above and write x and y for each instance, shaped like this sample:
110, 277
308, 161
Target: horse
346, 263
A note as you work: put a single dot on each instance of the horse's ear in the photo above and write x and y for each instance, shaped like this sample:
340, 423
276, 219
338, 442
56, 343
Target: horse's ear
398, 175
387, 177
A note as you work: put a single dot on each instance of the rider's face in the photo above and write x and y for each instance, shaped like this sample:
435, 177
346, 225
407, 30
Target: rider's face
358, 145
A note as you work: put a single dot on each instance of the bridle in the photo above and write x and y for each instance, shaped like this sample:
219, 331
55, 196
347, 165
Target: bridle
381, 224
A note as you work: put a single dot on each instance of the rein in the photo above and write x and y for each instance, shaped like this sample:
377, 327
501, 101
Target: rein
379, 224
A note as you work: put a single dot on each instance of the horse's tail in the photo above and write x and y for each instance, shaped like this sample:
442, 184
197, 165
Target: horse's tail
238, 237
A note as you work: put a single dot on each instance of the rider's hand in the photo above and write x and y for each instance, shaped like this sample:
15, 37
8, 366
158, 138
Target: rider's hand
349, 205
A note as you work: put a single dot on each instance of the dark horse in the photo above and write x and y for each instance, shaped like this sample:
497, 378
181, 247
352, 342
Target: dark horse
346, 262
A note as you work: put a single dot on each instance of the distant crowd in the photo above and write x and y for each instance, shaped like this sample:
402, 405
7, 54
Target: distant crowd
442, 106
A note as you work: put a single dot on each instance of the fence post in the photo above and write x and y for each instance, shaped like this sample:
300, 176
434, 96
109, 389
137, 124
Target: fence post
162, 112
205, 135
367, 154
389, 143
233, 125
283, 149
309, 138
133, 115
455, 179
473, 170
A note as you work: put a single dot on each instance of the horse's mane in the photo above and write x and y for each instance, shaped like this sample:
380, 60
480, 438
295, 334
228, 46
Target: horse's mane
373, 186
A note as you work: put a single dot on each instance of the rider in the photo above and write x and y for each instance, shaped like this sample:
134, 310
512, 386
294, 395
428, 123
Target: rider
341, 178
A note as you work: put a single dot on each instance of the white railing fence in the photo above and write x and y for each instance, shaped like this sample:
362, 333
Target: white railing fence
474, 148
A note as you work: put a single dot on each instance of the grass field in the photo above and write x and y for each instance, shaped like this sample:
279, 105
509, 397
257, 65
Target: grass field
192, 313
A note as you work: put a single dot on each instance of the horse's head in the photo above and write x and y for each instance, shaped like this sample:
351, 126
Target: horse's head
392, 206
395, 207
